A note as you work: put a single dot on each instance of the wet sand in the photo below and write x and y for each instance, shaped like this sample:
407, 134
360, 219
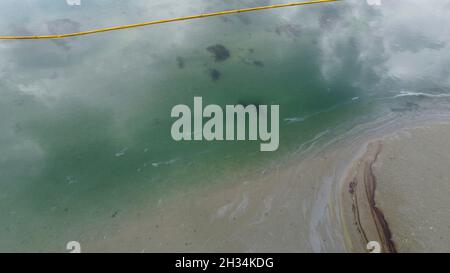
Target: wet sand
397, 192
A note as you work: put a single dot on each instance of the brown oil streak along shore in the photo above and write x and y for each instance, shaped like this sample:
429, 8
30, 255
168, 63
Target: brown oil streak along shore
355, 210
370, 183
364, 199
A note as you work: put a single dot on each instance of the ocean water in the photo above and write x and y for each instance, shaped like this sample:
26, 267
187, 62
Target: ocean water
86, 121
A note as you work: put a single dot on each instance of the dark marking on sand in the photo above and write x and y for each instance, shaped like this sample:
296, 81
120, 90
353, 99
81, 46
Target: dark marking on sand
369, 184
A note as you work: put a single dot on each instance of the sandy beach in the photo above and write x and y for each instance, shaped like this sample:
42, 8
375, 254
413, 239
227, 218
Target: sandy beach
411, 183
397, 192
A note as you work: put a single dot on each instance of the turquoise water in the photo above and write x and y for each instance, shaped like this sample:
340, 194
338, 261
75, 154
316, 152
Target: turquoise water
86, 121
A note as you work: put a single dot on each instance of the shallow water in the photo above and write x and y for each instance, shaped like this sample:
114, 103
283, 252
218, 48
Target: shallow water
86, 121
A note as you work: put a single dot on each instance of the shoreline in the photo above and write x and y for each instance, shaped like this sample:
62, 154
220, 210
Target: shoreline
296, 206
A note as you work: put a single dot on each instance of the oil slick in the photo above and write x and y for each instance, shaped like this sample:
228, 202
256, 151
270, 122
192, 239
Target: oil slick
368, 219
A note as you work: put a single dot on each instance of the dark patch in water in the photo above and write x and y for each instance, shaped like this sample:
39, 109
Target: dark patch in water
221, 53
180, 62
245, 19
289, 30
215, 74
329, 18
225, 19
258, 63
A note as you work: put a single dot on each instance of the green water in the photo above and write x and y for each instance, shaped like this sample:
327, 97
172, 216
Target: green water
86, 121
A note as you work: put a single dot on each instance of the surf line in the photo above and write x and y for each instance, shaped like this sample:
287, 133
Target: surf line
227, 125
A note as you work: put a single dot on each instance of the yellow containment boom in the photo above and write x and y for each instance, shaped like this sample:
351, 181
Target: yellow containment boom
157, 22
